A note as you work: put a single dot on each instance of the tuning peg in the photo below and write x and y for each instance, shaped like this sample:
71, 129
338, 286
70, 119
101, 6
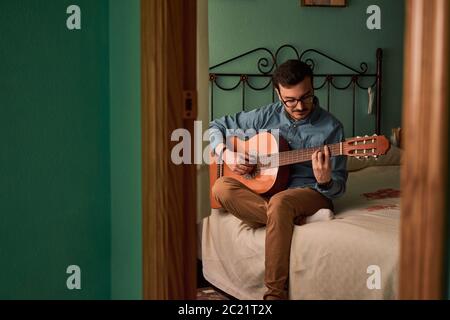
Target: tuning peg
375, 135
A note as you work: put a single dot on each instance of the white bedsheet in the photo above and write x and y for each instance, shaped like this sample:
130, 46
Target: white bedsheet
330, 259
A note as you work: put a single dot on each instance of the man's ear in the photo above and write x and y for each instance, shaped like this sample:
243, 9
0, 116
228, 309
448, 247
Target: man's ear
278, 94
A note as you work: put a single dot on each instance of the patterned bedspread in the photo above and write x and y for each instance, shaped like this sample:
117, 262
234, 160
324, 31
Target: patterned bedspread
354, 256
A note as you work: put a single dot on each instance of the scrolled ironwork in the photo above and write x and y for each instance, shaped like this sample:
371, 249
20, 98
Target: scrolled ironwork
374, 83
363, 66
265, 66
259, 88
216, 82
262, 62
286, 46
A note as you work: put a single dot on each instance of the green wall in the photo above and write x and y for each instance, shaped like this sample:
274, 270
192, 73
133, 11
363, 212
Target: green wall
70, 165
238, 26
125, 85
54, 157
70, 190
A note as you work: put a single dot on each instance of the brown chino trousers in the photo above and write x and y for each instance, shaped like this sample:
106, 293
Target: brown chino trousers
279, 214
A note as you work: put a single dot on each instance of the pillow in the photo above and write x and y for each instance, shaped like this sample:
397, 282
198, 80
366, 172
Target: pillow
391, 158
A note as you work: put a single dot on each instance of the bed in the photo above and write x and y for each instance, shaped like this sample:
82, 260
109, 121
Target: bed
329, 259
353, 256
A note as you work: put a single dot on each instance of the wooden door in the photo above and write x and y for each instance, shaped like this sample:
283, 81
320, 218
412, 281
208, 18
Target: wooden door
168, 50
424, 173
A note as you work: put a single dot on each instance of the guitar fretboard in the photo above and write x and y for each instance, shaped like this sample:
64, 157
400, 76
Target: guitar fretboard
295, 156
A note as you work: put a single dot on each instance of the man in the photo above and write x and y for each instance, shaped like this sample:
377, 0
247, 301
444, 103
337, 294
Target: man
312, 185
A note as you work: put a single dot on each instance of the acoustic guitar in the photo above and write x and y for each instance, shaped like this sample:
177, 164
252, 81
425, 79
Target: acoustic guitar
273, 157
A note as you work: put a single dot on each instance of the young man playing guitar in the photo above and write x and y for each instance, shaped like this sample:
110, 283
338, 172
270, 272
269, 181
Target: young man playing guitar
312, 185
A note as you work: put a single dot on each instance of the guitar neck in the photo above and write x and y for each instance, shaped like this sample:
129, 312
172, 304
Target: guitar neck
297, 156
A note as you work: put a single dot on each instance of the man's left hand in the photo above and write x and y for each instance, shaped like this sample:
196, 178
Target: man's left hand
321, 163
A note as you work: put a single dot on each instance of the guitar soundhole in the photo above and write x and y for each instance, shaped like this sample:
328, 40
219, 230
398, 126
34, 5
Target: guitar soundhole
253, 174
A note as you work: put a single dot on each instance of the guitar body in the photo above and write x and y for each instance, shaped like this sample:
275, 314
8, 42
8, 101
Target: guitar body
262, 181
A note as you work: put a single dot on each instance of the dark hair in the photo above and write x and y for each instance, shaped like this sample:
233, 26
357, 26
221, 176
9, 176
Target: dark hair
290, 73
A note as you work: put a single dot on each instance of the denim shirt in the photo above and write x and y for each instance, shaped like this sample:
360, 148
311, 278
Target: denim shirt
318, 129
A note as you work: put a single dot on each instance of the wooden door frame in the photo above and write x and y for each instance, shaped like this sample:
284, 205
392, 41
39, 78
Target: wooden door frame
424, 171
168, 57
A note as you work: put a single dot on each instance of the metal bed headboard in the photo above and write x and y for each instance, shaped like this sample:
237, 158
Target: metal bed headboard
266, 67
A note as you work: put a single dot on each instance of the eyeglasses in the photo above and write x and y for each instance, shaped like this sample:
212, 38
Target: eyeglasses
306, 101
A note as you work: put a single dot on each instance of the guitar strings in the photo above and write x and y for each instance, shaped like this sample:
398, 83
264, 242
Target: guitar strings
293, 156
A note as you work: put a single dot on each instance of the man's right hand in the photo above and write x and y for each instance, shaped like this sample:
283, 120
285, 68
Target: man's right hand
238, 163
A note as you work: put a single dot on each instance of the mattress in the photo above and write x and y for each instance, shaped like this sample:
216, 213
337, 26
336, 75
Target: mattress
354, 256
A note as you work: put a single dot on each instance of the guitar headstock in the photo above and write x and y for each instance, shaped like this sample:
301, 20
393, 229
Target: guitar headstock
366, 147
